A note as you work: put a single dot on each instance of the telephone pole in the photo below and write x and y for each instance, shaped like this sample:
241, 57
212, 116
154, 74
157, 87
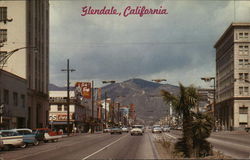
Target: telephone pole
68, 97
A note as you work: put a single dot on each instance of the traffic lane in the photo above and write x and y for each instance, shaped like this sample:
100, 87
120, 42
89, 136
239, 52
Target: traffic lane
236, 146
232, 149
58, 149
130, 147
239, 139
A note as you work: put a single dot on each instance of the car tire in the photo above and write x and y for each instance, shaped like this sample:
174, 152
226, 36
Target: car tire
24, 145
45, 141
7, 147
36, 142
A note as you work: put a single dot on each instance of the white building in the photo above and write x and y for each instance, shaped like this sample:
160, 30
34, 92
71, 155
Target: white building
26, 24
58, 111
232, 77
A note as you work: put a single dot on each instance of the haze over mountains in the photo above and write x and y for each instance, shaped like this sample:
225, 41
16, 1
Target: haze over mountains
145, 95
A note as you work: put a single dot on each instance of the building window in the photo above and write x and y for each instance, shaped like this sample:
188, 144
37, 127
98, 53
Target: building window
3, 14
6, 96
240, 90
243, 110
245, 35
241, 76
243, 124
59, 107
241, 62
246, 76
3, 35
2, 55
15, 99
245, 90
65, 107
23, 100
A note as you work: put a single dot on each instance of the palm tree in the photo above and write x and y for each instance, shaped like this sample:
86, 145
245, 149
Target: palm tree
183, 103
202, 126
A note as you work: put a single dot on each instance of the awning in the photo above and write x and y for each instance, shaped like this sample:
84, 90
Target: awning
59, 122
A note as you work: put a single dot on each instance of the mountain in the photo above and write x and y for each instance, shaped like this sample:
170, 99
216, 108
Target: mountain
145, 95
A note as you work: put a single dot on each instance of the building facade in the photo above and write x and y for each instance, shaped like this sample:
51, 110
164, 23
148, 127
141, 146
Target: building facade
24, 29
13, 95
232, 77
58, 112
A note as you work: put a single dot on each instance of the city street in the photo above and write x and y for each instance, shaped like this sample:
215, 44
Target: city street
234, 144
89, 146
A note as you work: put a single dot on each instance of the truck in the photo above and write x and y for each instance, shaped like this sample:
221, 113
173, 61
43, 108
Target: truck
46, 135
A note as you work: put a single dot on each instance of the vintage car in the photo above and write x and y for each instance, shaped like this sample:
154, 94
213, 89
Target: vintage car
46, 135
106, 130
116, 130
10, 139
156, 130
136, 130
166, 129
28, 136
125, 129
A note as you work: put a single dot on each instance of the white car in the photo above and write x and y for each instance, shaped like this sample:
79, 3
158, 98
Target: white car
166, 129
156, 130
10, 139
136, 130
124, 129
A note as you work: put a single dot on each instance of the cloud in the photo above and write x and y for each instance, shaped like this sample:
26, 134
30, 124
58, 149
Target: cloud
179, 44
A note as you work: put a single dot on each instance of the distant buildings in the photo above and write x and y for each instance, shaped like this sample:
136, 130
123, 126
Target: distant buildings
232, 77
25, 24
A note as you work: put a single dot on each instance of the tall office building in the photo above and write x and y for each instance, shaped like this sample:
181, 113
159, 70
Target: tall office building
232, 77
26, 24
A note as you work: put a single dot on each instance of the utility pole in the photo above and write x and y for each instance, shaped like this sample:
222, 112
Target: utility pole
92, 105
105, 105
68, 97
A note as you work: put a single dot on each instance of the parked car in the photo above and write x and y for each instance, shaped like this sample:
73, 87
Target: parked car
136, 130
247, 129
116, 130
46, 135
107, 130
10, 139
28, 136
156, 130
124, 129
166, 129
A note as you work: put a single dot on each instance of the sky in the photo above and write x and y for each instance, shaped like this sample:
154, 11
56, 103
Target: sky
177, 46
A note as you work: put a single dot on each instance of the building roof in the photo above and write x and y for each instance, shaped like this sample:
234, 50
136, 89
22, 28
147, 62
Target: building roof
233, 25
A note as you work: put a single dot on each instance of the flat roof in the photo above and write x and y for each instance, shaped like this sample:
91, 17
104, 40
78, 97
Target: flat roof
243, 24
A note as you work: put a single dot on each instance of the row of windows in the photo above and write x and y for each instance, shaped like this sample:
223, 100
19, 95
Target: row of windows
243, 110
243, 35
61, 107
244, 91
243, 62
243, 76
15, 98
243, 50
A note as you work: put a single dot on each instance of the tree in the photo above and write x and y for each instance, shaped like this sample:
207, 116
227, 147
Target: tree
182, 104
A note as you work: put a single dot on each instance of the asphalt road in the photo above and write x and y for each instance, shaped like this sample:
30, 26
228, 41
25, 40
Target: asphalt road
233, 144
89, 146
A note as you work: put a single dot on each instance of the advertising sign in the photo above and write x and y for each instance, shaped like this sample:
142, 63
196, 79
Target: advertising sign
84, 89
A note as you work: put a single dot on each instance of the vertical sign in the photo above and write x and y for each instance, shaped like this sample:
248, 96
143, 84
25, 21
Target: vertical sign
84, 88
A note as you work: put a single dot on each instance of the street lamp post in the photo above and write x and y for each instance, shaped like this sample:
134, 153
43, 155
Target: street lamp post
6, 56
208, 79
68, 98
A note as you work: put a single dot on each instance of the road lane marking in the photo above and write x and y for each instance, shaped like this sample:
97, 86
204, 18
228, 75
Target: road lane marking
104, 147
155, 152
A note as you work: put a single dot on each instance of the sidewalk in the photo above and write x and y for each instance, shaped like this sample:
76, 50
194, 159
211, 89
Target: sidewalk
232, 132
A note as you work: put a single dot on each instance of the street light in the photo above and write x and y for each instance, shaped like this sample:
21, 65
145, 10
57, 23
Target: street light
68, 100
7, 55
208, 79
105, 96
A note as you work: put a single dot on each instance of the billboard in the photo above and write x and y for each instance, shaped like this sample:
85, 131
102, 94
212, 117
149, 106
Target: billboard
83, 89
